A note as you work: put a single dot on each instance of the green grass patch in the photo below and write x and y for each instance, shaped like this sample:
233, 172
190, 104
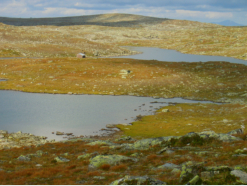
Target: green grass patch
184, 118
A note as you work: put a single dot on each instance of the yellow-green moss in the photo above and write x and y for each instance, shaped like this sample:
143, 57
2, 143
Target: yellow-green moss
184, 118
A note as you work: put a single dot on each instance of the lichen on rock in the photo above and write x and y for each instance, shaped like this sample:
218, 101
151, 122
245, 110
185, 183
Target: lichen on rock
137, 180
99, 160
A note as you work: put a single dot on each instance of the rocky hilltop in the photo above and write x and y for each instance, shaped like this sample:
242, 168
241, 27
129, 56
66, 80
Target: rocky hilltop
113, 20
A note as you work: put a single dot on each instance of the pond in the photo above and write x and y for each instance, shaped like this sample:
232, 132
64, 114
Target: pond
42, 114
148, 53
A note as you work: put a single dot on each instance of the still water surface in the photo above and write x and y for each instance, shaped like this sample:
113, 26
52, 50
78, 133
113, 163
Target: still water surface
148, 53
42, 114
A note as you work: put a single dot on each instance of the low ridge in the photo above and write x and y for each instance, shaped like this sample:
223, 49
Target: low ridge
114, 20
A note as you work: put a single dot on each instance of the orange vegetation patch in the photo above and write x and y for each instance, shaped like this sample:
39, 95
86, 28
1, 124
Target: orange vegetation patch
211, 80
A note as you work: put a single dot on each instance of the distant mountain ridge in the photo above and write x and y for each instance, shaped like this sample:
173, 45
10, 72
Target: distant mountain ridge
115, 20
228, 23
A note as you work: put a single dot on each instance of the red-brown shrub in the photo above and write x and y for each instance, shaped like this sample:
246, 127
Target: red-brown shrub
121, 167
105, 167
71, 167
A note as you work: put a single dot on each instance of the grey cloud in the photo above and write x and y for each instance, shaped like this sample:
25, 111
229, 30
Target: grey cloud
173, 4
199, 5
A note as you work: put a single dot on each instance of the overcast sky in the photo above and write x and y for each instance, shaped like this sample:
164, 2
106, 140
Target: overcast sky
196, 10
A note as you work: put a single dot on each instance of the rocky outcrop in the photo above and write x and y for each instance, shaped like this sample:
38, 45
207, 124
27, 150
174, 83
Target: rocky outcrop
184, 158
222, 137
100, 160
23, 158
19, 139
137, 180
145, 144
241, 175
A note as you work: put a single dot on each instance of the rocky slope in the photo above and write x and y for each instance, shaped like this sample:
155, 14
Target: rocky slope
195, 158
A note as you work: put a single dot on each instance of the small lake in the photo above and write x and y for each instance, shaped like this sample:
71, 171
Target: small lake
148, 53
42, 114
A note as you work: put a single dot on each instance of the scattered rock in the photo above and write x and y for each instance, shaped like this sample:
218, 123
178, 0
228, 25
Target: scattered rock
237, 131
190, 170
125, 138
59, 133
162, 150
61, 159
137, 180
99, 160
84, 156
69, 134
110, 126
169, 166
240, 174
145, 144
23, 158
218, 168
170, 151
165, 110
221, 137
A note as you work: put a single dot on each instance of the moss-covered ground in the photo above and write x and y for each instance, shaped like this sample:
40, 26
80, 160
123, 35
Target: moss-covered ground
184, 118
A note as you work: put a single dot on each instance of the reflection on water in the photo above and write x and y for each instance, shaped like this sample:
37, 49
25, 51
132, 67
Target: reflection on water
42, 114
175, 56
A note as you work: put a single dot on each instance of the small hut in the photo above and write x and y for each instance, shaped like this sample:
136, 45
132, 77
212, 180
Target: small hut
81, 55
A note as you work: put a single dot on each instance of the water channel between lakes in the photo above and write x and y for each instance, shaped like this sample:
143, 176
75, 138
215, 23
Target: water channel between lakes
148, 53
42, 114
